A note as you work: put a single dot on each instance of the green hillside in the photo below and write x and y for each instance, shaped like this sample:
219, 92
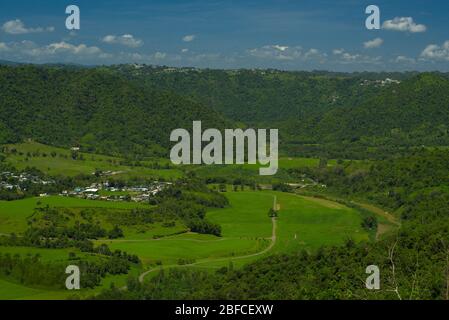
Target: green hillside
93, 108
128, 110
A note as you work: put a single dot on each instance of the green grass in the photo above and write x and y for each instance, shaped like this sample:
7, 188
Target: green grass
245, 225
169, 251
295, 162
148, 232
46, 255
306, 223
303, 223
246, 217
10, 289
14, 214
14, 291
63, 164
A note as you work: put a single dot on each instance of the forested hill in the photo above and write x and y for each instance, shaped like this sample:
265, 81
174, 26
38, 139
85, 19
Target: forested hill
337, 114
93, 107
414, 112
131, 109
255, 96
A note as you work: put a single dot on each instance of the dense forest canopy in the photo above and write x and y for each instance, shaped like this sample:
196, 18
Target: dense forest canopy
93, 108
131, 109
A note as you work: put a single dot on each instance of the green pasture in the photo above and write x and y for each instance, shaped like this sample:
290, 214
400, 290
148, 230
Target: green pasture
303, 223
14, 214
58, 161
308, 223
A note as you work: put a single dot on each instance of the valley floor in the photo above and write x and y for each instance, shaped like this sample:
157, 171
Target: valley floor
247, 234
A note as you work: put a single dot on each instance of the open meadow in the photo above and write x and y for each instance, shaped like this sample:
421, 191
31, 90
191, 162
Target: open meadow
247, 234
58, 161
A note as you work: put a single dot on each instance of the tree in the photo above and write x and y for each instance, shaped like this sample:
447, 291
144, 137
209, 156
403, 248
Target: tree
272, 213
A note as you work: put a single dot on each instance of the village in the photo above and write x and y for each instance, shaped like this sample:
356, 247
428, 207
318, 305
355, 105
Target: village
107, 192
19, 181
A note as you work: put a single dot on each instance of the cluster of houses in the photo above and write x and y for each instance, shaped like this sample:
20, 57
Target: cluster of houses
104, 191
381, 83
15, 181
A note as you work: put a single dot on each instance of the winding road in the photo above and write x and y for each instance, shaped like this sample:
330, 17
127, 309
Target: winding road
269, 248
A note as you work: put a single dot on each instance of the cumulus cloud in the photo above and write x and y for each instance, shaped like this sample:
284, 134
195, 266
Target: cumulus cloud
338, 51
280, 48
125, 40
64, 47
375, 43
55, 52
436, 52
404, 24
4, 47
189, 38
18, 27
404, 60
345, 57
160, 55
286, 53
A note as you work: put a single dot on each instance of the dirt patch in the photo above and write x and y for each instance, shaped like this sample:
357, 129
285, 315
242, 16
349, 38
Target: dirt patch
382, 229
325, 203
379, 211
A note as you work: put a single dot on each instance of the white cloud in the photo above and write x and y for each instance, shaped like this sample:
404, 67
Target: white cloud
345, 57
404, 60
18, 27
404, 24
189, 38
4, 47
125, 40
280, 48
338, 51
375, 43
286, 53
314, 54
436, 52
185, 50
160, 55
29, 51
64, 47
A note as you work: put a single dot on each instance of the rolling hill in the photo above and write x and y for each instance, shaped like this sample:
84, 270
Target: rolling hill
131, 109
93, 108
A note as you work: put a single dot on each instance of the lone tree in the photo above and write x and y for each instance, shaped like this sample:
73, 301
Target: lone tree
272, 213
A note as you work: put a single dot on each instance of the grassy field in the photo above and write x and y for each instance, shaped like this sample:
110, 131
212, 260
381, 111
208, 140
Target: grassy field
14, 214
11, 290
308, 223
58, 161
47, 255
245, 227
251, 171
303, 223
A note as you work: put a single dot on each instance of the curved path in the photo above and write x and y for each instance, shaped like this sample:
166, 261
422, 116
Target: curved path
273, 242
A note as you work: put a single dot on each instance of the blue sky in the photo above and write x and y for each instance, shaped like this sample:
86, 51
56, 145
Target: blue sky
284, 34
